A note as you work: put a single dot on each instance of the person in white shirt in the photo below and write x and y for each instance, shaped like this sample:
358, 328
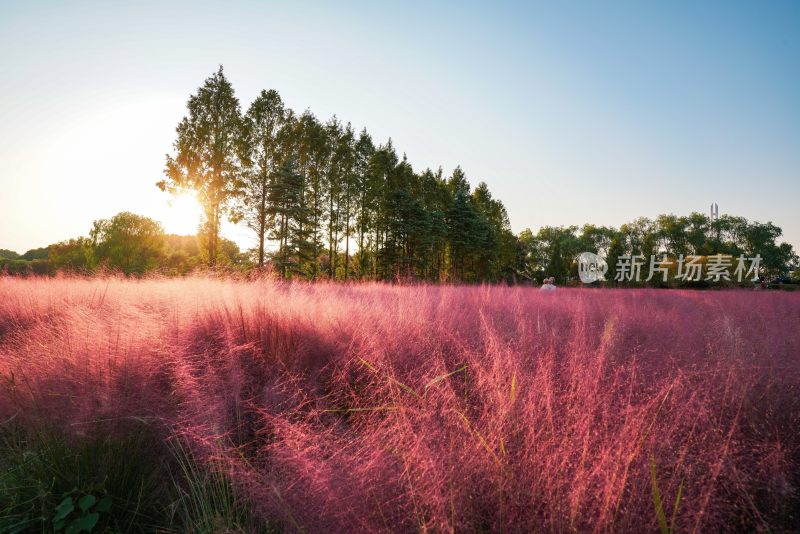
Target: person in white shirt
549, 285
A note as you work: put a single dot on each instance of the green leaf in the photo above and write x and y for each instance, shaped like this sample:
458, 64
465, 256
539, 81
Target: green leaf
87, 522
675, 508
59, 525
662, 518
86, 502
404, 387
444, 376
104, 505
64, 509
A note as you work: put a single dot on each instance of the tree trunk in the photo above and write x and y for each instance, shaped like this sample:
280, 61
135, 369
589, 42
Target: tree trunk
347, 249
262, 221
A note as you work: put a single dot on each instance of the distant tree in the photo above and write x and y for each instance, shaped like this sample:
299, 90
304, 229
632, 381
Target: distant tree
672, 234
761, 238
262, 155
641, 236
696, 225
37, 254
231, 256
531, 260
367, 195
466, 230
206, 154
292, 234
347, 158
307, 144
461, 220
341, 163
131, 243
596, 239
499, 249
6, 254
381, 168
720, 236
436, 199
182, 253
73, 255
407, 225
692, 235
556, 250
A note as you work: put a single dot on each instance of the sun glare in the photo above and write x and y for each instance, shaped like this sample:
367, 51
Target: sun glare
182, 214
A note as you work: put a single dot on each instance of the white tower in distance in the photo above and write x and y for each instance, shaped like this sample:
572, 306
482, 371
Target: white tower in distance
714, 211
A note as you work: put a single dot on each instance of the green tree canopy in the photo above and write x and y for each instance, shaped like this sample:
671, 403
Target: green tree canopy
207, 151
131, 243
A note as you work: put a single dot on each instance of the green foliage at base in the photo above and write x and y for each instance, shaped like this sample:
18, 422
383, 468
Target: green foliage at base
129, 481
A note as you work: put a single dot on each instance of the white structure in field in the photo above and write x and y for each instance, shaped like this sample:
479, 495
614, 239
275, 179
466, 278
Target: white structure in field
714, 211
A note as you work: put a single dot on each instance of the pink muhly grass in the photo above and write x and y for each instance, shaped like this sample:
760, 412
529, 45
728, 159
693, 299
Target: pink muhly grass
387, 408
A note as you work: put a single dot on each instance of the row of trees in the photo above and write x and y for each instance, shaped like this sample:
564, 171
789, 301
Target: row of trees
324, 201
127, 243
552, 250
135, 245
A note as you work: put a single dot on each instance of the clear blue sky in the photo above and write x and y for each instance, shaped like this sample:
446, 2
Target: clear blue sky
571, 112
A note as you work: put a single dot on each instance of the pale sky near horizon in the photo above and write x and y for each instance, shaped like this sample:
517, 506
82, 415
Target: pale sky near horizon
571, 112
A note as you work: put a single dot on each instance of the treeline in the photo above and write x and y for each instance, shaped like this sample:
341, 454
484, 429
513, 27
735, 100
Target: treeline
133, 244
325, 201
126, 243
552, 250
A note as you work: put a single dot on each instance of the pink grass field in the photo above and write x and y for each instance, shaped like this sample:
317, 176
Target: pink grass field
370, 408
